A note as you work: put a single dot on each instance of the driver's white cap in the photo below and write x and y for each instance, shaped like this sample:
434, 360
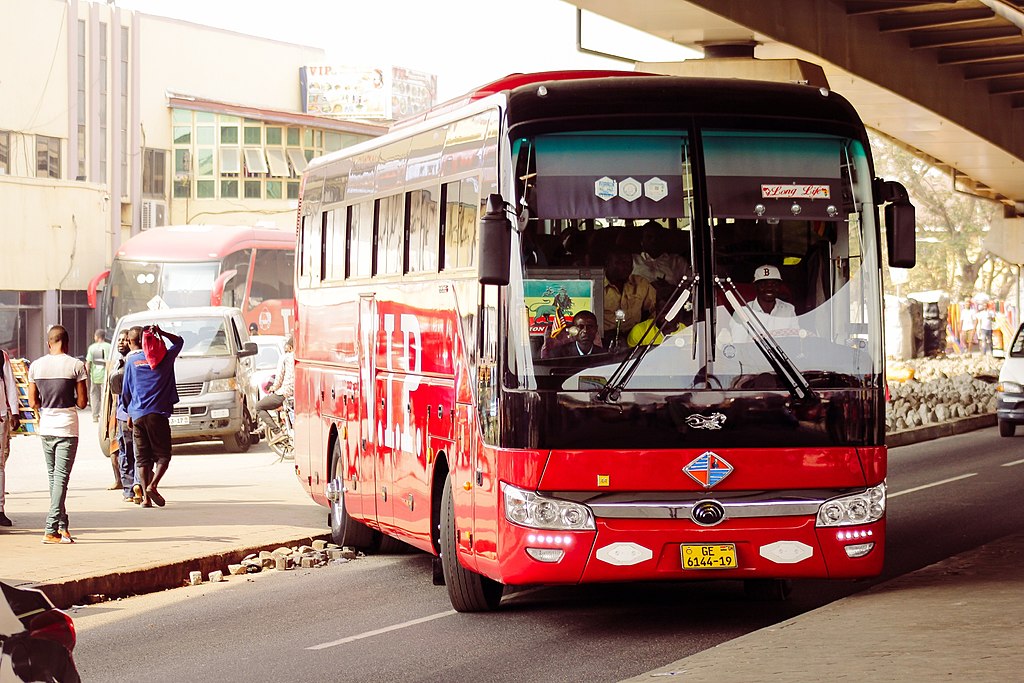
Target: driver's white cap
767, 272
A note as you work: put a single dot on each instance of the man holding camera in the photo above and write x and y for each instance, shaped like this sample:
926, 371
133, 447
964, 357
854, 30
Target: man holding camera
148, 393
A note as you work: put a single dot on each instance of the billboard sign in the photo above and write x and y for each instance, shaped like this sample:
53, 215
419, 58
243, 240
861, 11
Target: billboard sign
358, 92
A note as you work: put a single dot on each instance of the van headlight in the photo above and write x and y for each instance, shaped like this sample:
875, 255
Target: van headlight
228, 384
1010, 388
858, 508
529, 509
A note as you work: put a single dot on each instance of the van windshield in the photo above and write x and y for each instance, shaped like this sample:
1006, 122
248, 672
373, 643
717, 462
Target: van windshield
201, 336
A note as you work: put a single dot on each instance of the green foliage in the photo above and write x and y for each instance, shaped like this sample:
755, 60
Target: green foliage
951, 226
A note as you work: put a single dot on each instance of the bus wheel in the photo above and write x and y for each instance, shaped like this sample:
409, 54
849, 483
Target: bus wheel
468, 591
346, 531
767, 590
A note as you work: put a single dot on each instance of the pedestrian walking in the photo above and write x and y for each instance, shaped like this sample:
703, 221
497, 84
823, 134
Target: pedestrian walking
8, 424
986, 321
96, 365
130, 485
56, 389
148, 394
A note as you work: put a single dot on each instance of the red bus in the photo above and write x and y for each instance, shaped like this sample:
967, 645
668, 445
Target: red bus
471, 378
202, 265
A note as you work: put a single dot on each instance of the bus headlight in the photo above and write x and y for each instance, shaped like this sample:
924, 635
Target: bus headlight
228, 384
858, 508
528, 509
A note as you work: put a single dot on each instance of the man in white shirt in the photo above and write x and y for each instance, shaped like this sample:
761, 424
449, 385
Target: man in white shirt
283, 388
8, 423
778, 316
56, 390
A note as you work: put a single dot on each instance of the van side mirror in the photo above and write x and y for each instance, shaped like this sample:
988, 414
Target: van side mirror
495, 243
900, 224
248, 349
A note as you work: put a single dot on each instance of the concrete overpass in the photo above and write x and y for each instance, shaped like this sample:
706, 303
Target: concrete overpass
944, 77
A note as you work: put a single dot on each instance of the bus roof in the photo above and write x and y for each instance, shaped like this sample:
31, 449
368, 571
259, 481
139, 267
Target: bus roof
201, 242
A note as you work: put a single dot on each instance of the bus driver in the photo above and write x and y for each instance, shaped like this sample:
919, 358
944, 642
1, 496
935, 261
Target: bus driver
776, 315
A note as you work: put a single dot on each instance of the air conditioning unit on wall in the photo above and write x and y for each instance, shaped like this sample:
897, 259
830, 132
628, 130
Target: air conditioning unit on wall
154, 214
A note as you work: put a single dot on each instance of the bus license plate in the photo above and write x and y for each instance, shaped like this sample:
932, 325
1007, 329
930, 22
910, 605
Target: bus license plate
709, 556
178, 420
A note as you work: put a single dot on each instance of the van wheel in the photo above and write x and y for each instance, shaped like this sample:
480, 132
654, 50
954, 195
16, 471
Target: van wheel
239, 442
468, 591
346, 531
1007, 428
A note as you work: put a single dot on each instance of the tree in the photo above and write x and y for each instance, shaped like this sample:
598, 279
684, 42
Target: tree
951, 226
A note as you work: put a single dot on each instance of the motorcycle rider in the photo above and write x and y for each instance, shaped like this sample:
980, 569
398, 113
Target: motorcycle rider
282, 389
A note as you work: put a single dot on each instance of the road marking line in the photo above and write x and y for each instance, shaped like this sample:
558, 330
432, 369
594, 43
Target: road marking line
1011, 464
934, 483
386, 629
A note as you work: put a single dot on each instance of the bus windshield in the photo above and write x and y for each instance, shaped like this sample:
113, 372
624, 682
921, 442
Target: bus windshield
138, 285
624, 280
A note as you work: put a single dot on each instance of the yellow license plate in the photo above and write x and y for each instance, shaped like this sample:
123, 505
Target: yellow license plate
708, 556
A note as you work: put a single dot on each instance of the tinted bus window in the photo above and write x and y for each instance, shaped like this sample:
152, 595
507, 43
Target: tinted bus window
462, 205
361, 240
424, 230
272, 276
234, 290
389, 236
334, 254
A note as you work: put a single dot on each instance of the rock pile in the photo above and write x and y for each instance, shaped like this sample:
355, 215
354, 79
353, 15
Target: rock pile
320, 554
942, 389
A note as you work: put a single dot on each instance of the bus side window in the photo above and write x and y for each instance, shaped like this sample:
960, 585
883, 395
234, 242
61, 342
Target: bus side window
423, 229
361, 239
462, 204
234, 290
389, 236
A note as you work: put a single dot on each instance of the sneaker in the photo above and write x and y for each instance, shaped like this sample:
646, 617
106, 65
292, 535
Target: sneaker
65, 537
5, 520
51, 539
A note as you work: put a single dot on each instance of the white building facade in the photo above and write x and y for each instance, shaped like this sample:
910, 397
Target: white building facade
115, 121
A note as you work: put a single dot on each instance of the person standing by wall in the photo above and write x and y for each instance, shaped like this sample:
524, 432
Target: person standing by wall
8, 423
986, 321
56, 389
148, 394
96, 364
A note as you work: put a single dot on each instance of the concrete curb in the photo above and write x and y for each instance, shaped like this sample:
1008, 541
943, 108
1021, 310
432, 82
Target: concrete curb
936, 431
155, 578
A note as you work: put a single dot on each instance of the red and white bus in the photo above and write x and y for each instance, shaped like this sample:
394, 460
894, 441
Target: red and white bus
202, 265
445, 399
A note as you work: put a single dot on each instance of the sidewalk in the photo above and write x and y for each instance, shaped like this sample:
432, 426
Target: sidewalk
220, 507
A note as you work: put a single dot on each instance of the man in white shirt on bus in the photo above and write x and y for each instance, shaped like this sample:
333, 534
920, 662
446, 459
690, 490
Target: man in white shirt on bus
778, 316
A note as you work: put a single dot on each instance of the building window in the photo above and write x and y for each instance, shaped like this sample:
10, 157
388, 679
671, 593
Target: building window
154, 172
5, 152
47, 157
244, 157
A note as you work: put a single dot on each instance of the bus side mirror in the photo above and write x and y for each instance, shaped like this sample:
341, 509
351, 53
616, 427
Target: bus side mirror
495, 243
900, 225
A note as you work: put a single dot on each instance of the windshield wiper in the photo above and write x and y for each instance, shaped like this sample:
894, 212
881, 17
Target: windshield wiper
765, 342
669, 311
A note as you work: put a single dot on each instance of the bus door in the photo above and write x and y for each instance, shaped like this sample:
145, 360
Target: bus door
374, 460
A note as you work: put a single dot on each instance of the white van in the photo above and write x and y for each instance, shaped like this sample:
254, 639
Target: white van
1010, 392
212, 375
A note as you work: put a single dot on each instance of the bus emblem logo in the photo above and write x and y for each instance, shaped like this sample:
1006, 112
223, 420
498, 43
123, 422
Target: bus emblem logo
708, 469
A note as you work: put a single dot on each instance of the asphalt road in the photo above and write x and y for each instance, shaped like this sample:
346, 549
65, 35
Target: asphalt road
380, 619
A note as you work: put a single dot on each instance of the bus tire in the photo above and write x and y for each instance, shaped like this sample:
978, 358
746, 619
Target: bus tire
468, 591
346, 531
767, 590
